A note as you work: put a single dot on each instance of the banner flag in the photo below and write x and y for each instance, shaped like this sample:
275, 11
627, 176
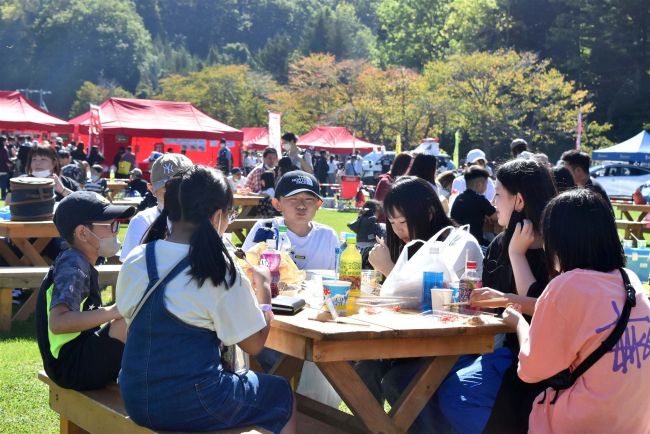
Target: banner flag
579, 130
275, 131
398, 144
95, 130
456, 147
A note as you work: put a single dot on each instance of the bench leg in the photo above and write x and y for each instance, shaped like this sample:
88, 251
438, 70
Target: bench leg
5, 309
68, 427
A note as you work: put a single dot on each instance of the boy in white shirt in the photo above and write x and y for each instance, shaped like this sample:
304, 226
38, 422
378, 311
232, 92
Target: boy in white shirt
161, 170
297, 197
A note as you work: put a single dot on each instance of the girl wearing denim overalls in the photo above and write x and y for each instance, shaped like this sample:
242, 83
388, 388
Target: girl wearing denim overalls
182, 296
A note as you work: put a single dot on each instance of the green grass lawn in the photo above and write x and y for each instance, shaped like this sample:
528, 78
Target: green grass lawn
23, 398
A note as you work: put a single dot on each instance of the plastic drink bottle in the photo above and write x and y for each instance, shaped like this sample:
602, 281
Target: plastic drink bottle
111, 176
434, 276
350, 271
284, 243
469, 281
271, 259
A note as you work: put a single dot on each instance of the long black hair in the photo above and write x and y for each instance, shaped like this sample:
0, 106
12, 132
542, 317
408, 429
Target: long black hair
536, 186
400, 164
416, 200
193, 195
424, 166
580, 231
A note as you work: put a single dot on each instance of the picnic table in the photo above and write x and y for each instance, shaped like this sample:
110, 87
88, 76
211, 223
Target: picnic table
30, 238
632, 227
117, 186
332, 346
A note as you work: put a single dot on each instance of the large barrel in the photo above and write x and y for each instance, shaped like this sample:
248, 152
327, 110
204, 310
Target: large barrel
32, 199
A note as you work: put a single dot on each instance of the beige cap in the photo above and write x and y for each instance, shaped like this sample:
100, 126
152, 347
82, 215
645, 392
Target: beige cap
166, 166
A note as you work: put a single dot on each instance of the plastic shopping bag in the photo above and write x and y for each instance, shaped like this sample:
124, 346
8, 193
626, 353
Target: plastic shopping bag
406, 278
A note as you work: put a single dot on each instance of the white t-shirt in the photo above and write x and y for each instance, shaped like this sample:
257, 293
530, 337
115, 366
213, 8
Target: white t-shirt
332, 167
234, 185
138, 226
459, 185
315, 251
232, 313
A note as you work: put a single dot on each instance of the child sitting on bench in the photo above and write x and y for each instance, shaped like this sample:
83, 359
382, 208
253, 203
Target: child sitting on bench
77, 353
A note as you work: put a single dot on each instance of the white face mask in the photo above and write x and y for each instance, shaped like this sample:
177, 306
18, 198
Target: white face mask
95, 178
286, 146
107, 246
41, 173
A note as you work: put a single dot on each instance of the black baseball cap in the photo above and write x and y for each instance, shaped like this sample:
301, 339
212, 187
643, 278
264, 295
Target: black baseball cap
295, 182
83, 207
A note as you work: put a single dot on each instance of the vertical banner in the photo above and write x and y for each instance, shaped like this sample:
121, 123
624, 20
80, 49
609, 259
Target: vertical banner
275, 131
354, 141
579, 130
456, 147
95, 130
398, 144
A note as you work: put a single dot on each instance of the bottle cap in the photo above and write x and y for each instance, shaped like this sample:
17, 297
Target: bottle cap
471, 265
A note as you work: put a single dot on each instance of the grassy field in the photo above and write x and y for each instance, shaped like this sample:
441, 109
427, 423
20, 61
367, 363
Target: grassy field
23, 399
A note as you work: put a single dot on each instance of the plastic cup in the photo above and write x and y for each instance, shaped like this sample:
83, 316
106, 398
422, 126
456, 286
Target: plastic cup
370, 281
337, 291
440, 297
641, 244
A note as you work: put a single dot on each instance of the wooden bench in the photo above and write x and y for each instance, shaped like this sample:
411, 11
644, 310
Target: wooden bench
31, 278
631, 228
101, 411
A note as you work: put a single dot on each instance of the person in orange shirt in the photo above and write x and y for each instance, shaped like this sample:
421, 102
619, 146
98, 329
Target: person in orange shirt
578, 310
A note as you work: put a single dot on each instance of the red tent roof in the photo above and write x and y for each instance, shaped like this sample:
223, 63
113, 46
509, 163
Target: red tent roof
153, 118
337, 140
19, 113
256, 138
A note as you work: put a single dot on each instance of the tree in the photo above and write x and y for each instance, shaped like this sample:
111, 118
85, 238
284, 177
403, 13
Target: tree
88, 41
231, 93
383, 104
274, 58
494, 97
313, 95
411, 31
91, 93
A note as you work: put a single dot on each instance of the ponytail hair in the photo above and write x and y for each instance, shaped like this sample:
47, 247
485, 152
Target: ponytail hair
158, 229
193, 195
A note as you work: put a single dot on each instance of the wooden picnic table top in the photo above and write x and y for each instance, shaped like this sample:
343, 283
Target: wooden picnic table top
387, 335
40, 229
247, 199
622, 206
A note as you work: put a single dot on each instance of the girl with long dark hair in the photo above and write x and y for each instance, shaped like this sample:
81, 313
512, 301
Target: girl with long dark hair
414, 213
576, 313
182, 296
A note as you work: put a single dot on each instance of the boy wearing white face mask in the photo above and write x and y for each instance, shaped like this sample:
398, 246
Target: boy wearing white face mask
97, 184
81, 342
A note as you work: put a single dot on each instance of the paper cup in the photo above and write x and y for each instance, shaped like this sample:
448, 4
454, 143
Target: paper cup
440, 297
338, 292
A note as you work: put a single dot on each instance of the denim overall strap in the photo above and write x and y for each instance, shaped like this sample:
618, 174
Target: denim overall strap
152, 269
154, 279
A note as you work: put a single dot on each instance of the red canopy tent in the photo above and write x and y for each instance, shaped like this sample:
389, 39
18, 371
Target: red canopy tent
17, 113
256, 138
336, 140
148, 125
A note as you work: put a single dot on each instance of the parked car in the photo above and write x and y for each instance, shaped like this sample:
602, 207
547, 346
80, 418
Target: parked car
620, 179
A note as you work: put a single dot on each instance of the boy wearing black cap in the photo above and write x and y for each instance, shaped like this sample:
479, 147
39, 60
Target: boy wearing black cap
77, 352
297, 197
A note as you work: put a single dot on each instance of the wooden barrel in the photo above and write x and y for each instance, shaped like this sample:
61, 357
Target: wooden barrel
32, 199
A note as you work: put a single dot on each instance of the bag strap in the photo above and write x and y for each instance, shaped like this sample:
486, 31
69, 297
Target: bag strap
155, 283
608, 344
567, 378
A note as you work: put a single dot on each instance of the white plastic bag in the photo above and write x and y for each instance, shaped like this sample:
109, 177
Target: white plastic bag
405, 280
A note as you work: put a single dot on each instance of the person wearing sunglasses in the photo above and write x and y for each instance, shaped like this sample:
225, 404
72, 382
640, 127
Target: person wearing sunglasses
81, 342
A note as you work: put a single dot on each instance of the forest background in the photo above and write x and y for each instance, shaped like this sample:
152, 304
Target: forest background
491, 69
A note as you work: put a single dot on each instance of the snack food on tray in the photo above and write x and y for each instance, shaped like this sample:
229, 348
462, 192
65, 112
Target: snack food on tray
290, 276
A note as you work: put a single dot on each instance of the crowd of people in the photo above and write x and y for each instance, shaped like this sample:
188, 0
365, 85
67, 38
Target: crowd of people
555, 273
